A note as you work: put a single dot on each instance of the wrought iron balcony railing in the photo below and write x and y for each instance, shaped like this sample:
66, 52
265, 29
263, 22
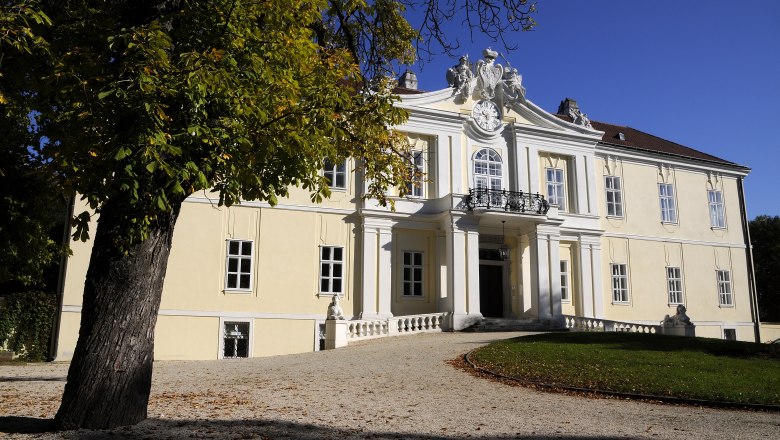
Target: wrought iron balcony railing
510, 201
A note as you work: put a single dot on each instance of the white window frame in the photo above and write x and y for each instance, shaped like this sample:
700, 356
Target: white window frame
239, 271
412, 268
332, 172
667, 203
674, 285
331, 262
556, 187
565, 281
615, 205
725, 291
223, 321
416, 187
488, 169
619, 283
716, 209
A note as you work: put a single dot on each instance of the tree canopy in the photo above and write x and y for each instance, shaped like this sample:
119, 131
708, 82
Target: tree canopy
136, 104
765, 237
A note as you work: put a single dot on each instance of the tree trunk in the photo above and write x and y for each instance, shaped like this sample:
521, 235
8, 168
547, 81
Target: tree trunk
110, 376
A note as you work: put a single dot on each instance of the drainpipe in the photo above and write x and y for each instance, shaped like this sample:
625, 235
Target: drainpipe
55, 328
750, 267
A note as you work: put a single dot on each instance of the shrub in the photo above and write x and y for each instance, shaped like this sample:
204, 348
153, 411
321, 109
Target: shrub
26, 322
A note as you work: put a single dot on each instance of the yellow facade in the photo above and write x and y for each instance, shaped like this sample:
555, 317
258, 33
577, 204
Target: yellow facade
256, 280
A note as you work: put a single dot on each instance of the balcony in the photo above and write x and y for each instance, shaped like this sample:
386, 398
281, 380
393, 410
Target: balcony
509, 201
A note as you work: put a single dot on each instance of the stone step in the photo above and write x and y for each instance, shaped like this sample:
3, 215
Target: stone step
509, 325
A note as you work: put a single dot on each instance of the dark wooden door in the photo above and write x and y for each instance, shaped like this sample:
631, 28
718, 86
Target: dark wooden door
491, 290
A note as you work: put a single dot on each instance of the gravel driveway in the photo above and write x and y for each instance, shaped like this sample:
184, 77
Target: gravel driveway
399, 387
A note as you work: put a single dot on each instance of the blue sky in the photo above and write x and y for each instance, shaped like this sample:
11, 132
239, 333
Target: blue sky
702, 73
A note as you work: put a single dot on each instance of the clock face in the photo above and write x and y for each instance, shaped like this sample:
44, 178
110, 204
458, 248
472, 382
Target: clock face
487, 115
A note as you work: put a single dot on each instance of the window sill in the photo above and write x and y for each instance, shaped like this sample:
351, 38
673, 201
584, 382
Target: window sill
718, 228
414, 297
615, 217
238, 291
331, 294
726, 306
621, 303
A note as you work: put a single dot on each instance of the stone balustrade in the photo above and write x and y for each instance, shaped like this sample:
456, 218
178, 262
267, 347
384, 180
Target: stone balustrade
582, 324
431, 322
339, 333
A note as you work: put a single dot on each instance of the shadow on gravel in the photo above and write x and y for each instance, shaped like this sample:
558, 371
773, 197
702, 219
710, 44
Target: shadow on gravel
33, 379
241, 429
25, 425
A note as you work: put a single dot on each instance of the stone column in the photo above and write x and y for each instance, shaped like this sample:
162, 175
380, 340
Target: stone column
377, 268
385, 272
546, 272
462, 271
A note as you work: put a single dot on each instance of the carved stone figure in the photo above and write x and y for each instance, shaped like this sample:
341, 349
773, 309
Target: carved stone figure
513, 85
681, 318
579, 118
488, 74
334, 310
460, 76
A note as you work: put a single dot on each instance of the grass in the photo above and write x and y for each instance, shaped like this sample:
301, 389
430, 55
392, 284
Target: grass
692, 368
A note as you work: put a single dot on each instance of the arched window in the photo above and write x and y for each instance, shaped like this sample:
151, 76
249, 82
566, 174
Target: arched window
487, 169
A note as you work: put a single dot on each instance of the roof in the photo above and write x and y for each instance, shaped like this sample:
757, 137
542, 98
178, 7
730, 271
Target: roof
639, 140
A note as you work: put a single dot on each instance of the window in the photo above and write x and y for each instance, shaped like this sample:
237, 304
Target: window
336, 174
235, 339
413, 274
556, 195
415, 187
717, 216
331, 267
668, 210
674, 285
725, 297
730, 334
619, 283
614, 196
487, 169
239, 265
565, 281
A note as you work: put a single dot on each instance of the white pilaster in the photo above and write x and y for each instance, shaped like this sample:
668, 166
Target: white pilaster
472, 271
458, 168
590, 166
533, 170
540, 272
598, 291
556, 313
369, 265
586, 269
581, 190
385, 272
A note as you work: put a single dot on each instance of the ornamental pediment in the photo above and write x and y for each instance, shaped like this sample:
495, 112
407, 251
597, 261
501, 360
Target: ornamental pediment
489, 96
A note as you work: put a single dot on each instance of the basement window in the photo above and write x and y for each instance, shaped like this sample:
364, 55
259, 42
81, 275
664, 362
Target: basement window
235, 339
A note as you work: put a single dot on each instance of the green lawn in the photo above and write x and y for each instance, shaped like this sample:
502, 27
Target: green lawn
694, 368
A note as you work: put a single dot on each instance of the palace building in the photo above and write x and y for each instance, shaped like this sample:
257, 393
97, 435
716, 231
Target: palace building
534, 218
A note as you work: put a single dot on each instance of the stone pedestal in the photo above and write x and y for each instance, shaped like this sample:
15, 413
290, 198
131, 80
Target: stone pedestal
335, 334
679, 330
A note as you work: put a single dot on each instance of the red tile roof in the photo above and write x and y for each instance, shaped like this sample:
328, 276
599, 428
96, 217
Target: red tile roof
639, 140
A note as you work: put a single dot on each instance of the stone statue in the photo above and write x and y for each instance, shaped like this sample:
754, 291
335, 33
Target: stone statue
460, 76
488, 74
513, 85
681, 318
334, 310
579, 118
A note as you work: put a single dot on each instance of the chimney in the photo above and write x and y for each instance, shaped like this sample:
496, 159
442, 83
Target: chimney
408, 80
568, 105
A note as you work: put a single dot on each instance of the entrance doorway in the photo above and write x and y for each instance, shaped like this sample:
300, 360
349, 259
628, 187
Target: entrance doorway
491, 290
